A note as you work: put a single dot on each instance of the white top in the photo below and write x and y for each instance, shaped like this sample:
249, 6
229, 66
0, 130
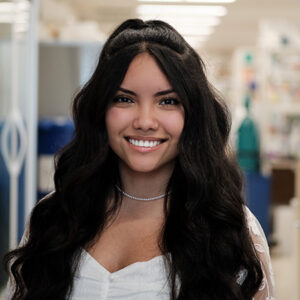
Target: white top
140, 280
148, 279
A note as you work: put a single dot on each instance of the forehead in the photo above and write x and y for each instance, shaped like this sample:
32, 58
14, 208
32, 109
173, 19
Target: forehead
144, 74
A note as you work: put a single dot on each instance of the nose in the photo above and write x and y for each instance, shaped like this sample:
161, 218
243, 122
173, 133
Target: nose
145, 119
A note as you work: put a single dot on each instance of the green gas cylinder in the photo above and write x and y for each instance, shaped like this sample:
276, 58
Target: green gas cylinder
248, 142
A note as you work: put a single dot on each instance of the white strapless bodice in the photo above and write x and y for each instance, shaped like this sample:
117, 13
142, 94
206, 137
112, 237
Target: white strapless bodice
140, 280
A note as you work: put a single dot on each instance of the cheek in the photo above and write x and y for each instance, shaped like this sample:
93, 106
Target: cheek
174, 124
116, 120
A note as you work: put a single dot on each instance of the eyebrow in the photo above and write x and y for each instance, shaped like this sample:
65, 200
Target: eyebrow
161, 93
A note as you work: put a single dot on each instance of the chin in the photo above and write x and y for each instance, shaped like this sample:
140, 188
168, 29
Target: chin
150, 167
143, 169
143, 166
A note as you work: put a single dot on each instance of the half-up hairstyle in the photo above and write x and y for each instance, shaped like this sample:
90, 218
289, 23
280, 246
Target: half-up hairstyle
205, 229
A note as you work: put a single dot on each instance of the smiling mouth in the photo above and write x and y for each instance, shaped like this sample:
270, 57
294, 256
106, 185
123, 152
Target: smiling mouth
144, 143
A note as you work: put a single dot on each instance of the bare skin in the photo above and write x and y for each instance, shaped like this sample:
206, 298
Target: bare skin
134, 233
126, 241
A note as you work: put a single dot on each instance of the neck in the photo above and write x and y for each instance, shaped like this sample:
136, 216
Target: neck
144, 185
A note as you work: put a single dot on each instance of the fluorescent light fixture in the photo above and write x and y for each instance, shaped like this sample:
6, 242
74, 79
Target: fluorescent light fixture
209, 1
160, 1
188, 1
194, 31
189, 21
181, 10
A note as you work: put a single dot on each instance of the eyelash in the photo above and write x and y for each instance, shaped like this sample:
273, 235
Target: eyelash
116, 99
128, 100
174, 101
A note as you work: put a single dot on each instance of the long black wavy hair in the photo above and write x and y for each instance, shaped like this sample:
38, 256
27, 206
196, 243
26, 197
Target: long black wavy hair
205, 228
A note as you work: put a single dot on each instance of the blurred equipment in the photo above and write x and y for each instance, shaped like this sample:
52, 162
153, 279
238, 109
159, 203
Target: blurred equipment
248, 142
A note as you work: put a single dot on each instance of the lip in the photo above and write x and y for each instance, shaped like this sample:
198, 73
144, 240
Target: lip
144, 149
144, 138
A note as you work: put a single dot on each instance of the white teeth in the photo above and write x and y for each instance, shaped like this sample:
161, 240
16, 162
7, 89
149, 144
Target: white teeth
141, 143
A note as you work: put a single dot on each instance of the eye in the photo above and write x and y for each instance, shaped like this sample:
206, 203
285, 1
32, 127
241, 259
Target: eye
169, 101
122, 99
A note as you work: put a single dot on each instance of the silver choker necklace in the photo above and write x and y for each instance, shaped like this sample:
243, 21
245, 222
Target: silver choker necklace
138, 198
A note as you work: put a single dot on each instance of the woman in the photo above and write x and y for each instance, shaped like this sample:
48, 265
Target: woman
147, 201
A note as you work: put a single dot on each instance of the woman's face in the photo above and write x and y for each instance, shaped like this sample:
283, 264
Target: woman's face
145, 119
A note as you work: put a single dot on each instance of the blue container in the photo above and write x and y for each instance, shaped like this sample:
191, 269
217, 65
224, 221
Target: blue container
53, 134
258, 198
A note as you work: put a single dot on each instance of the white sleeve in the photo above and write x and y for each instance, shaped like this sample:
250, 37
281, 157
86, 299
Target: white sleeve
266, 289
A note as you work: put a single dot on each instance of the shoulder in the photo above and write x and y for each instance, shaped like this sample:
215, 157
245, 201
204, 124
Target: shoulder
253, 224
256, 232
262, 250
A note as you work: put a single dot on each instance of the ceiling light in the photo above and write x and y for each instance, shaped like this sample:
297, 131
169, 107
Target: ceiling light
208, 1
189, 1
192, 20
177, 10
159, 0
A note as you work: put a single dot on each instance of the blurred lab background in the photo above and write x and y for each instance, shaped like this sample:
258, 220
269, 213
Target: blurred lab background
49, 48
